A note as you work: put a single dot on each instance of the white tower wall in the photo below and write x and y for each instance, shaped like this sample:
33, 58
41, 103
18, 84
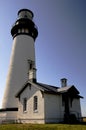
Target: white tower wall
22, 51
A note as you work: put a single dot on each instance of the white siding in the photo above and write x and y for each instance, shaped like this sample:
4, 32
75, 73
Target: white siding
61, 109
30, 116
52, 108
76, 108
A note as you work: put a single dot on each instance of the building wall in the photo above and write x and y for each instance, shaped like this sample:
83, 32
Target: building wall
76, 108
52, 108
62, 108
30, 116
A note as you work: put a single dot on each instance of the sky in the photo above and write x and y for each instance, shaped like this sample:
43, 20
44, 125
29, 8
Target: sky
60, 46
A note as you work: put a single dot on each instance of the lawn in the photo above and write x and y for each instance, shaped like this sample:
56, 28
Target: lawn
42, 127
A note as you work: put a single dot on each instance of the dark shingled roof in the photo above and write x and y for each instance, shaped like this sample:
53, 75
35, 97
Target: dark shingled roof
48, 88
67, 88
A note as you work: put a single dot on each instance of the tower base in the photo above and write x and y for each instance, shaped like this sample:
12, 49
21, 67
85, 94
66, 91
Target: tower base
8, 115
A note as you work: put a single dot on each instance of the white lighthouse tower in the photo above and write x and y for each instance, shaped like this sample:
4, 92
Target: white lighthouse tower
24, 33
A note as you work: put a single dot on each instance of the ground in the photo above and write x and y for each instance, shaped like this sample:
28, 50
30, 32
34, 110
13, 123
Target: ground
42, 127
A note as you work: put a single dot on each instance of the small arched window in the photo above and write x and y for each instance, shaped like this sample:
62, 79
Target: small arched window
35, 104
25, 104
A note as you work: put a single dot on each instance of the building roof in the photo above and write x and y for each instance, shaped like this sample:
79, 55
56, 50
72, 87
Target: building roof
49, 89
42, 87
67, 88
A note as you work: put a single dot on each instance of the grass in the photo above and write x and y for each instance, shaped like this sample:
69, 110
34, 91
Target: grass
42, 127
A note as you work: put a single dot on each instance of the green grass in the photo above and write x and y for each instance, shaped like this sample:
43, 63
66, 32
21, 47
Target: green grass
42, 127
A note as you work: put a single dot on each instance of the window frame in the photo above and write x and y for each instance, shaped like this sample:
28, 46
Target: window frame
25, 104
35, 103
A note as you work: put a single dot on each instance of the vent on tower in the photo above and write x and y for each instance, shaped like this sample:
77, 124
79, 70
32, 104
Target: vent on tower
25, 13
63, 82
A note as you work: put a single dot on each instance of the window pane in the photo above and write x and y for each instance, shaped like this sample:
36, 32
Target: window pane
25, 104
35, 103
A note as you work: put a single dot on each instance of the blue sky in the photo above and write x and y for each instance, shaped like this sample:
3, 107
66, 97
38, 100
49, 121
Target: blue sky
61, 44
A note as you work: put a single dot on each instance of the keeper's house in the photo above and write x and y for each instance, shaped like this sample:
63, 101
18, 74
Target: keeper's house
42, 103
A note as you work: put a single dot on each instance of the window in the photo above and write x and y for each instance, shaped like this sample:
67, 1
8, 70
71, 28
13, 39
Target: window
19, 30
23, 30
26, 30
35, 107
25, 104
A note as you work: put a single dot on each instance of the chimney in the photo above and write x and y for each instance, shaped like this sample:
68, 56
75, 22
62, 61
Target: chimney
32, 75
63, 82
32, 71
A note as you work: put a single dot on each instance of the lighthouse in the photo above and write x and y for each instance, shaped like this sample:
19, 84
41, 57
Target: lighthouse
22, 61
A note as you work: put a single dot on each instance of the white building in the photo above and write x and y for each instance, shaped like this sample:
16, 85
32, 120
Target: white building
26, 100
42, 103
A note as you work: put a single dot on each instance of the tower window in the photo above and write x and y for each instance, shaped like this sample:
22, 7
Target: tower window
19, 30
35, 107
25, 104
23, 30
26, 30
